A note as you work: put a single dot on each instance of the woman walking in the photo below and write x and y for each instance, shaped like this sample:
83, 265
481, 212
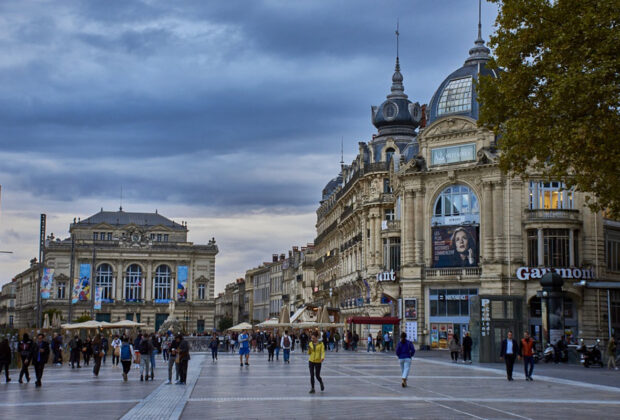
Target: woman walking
126, 356
25, 351
316, 350
455, 348
405, 351
611, 354
213, 344
5, 358
97, 348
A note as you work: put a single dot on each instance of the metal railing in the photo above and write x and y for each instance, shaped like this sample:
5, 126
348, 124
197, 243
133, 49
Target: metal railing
446, 272
555, 214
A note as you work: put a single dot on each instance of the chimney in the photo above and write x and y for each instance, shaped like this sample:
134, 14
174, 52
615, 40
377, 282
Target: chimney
295, 248
290, 254
282, 257
274, 257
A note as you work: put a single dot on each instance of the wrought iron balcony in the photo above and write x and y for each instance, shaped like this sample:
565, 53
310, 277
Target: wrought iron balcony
552, 214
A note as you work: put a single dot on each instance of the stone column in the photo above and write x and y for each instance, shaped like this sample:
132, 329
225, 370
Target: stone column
571, 247
498, 220
419, 227
148, 283
120, 281
371, 241
487, 220
378, 241
408, 232
541, 255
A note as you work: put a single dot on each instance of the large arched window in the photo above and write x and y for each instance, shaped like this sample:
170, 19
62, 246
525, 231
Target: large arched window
389, 153
161, 283
104, 280
133, 283
457, 204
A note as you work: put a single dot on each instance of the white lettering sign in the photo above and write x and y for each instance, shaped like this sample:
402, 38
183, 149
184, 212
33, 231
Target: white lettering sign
527, 273
386, 276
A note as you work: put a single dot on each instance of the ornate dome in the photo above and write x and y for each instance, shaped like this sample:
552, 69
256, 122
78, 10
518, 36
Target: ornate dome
397, 115
456, 94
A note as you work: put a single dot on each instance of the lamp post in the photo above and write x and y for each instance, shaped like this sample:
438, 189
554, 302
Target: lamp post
552, 307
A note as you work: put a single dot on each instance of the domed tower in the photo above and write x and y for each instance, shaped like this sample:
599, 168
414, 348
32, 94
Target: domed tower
397, 114
456, 95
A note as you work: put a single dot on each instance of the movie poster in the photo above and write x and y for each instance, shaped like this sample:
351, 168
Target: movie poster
411, 308
46, 282
81, 289
455, 246
182, 283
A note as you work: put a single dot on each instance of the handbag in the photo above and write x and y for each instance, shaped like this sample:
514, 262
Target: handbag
117, 351
178, 358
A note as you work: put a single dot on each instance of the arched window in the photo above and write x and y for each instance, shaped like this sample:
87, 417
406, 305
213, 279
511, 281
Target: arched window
104, 280
133, 283
456, 205
388, 154
161, 283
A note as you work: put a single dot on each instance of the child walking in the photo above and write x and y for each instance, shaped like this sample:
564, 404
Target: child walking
316, 350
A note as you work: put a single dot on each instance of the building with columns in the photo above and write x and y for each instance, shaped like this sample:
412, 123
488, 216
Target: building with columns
140, 261
423, 220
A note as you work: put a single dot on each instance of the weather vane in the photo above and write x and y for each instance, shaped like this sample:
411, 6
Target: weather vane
397, 35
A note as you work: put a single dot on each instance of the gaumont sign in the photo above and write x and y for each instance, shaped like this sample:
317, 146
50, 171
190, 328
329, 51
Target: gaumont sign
526, 273
386, 276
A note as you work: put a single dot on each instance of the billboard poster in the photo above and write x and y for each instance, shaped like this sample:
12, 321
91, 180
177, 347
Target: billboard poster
411, 328
97, 298
81, 288
411, 308
182, 283
46, 282
455, 246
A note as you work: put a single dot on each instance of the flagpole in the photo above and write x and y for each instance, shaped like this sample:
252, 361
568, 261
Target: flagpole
92, 284
41, 258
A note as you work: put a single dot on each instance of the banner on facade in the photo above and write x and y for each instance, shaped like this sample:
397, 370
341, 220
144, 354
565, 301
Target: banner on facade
182, 283
411, 328
455, 246
46, 282
97, 298
81, 288
411, 308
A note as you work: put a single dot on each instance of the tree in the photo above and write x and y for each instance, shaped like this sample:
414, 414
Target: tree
225, 323
555, 106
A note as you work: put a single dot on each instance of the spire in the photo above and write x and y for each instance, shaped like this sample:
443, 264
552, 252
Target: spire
398, 90
479, 53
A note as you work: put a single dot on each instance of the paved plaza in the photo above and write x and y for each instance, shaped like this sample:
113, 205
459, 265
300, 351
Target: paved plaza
358, 385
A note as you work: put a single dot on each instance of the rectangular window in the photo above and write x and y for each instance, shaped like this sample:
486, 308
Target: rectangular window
60, 291
387, 188
612, 250
532, 247
453, 154
456, 96
109, 236
433, 307
165, 237
556, 248
453, 308
389, 214
159, 237
152, 236
11, 320
201, 291
95, 236
550, 195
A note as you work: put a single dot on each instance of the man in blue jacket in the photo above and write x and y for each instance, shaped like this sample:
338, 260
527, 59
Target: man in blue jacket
40, 354
510, 351
405, 351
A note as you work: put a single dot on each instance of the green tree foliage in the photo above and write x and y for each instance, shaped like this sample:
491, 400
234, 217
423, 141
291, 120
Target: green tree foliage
225, 323
83, 318
556, 104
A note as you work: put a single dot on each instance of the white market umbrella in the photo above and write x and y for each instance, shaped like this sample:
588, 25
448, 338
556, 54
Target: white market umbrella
241, 327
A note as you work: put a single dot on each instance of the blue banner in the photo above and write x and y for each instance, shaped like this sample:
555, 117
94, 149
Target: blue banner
46, 282
182, 283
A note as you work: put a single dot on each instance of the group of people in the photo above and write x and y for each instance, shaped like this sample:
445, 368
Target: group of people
463, 348
35, 353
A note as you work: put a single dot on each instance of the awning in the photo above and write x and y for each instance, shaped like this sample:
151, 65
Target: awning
375, 320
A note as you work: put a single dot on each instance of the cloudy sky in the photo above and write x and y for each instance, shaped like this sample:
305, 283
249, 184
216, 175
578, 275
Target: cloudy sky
224, 114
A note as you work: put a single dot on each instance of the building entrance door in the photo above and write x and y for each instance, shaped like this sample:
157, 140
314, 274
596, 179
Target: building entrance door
159, 320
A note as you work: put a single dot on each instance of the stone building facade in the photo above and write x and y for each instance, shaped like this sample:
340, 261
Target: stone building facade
7, 305
140, 261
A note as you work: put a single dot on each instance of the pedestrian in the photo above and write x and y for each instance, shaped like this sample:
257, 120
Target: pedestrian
386, 341
87, 351
356, 340
277, 349
467, 345
611, 354
116, 350
371, 344
286, 344
293, 339
527, 352
184, 358
105, 347
126, 356
25, 352
40, 355
156, 347
405, 351
146, 348
97, 347
303, 340
316, 351
454, 347
213, 345
378, 340
509, 352
5, 358
172, 360
271, 348
337, 340
75, 346
244, 348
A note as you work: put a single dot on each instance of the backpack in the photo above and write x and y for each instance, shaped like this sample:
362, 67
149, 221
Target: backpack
287, 342
144, 346
125, 352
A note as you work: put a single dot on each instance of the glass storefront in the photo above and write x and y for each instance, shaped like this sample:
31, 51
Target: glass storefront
449, 314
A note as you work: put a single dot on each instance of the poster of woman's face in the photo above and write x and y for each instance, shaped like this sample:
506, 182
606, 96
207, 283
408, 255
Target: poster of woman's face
455, 246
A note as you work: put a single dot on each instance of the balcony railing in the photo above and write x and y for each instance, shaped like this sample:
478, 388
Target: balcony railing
390, 225
552, 214
452, 272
